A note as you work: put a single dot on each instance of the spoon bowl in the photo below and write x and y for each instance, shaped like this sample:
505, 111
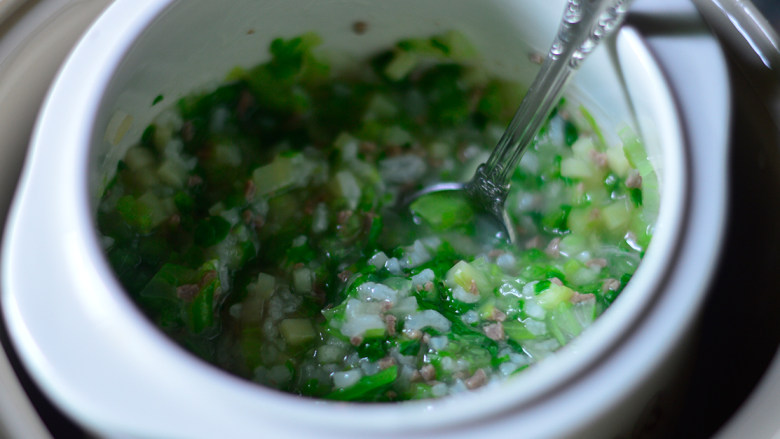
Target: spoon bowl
492, 224
583, 25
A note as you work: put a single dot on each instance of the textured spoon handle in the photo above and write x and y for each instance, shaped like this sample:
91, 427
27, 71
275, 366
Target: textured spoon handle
585, 23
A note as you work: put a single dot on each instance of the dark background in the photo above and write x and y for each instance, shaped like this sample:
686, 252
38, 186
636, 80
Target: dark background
740, 331
771, 10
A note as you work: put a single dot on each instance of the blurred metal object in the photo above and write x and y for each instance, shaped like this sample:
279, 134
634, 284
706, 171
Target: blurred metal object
752, 44
741, 27
771, 10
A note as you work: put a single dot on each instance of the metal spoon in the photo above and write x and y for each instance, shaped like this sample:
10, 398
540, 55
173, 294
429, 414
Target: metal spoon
584, 24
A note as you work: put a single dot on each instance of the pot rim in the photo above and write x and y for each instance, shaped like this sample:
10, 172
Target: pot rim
127, 19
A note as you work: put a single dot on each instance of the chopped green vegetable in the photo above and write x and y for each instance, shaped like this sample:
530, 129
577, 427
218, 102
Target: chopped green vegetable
369, 388
444, 210
297, 331
261, 229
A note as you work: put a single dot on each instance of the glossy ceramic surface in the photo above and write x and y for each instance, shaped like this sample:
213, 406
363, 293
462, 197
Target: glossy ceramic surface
54, 345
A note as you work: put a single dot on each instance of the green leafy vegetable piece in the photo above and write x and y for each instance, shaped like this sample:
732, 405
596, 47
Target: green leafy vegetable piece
147, 138
516, 330
420, 391
409, 347
636, 196
163, 284
369, 387
594, 126
571, 133
184, 202
567, 321
251, 343
554, 295
449, 101
275, 83
542, 285
443, 210
264, 148
555, 221
135, 213
211, 231
202, 311
373, 349
291, 57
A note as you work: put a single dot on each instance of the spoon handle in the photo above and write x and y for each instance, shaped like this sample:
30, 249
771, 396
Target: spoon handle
584, 24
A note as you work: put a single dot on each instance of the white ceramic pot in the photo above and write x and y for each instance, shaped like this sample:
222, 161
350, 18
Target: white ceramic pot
99, 359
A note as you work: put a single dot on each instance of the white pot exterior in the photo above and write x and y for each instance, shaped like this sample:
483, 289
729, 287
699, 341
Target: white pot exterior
94, 353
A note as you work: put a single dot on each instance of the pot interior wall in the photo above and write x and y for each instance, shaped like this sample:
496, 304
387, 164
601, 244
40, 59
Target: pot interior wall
195, 43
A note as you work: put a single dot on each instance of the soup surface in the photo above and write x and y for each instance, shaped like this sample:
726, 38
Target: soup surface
257, 224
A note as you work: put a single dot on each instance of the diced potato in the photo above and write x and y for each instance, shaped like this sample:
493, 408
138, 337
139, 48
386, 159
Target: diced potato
343, 380
302, 280
460, 48
380, 106
572, 266
145, 178
616, 216
171, 174
227, 154
582, 148
283, 173
574, 167
274, 176
583, 275
297, 331
618, 162
159, 209
262, 287
554, 295
348, 145
348, 188
440, 149
464, 275
573, 244
396, 135
253, 305
401, 65
488, 310
162, 135
138, 157
583, 221
330, 353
